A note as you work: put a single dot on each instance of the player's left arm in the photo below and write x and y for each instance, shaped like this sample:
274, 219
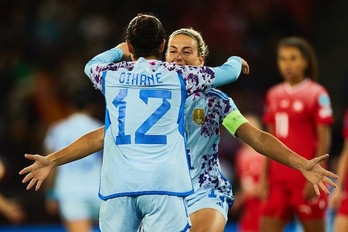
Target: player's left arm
98, 64
270, 146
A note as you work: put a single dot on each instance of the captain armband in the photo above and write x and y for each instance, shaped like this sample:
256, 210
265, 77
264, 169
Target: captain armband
233, 121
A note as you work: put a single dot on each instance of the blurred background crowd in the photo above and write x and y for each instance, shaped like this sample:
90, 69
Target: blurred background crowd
44, 46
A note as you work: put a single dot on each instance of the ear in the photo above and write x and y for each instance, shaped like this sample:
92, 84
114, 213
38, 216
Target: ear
162, 46
201, 60
130, 47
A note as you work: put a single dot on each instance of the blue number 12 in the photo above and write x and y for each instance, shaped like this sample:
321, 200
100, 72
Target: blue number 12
140, 133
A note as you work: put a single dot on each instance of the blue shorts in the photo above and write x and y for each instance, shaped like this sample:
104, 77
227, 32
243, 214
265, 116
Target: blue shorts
211, 199
160, 213
79, 210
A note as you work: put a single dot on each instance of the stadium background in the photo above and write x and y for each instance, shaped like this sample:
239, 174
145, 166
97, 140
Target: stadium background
45, 44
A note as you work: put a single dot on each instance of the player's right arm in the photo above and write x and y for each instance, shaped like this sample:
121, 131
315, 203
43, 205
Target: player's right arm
230, 71
37, 172
204, 78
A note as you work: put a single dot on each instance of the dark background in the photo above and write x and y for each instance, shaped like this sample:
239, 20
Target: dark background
44, 46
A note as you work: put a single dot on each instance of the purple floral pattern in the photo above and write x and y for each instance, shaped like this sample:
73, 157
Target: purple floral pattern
195, 78
217, 110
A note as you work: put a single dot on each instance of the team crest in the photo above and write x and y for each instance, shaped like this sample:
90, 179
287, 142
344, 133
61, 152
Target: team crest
198, 116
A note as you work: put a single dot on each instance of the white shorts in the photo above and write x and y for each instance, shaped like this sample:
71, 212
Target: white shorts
211, 199
160, 213
79, 210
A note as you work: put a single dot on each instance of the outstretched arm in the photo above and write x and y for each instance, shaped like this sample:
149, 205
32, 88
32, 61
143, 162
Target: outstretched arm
270, 146
85, 145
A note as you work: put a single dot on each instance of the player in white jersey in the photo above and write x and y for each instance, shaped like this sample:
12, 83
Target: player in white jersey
206, 216
74, 187
144, 131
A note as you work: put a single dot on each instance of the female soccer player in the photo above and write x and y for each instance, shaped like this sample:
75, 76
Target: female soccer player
298, 112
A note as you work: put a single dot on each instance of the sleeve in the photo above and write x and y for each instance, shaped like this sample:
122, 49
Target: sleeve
233, 121
228, 72
96, 66
323, 109
204, 78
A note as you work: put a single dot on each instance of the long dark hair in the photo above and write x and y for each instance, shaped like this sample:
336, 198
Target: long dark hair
145, 33
307, 52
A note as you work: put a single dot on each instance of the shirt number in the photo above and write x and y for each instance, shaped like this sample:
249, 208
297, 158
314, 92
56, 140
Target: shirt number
140, 133
282, 125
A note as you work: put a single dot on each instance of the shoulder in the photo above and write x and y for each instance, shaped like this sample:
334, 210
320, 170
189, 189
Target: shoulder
317, 91
315, 86
276, 88
58, 125
218, 99
275, 91
217, 93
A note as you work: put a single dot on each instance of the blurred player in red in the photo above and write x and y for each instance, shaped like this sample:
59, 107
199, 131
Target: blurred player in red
10, 208
248, 169
339, 197
298, 112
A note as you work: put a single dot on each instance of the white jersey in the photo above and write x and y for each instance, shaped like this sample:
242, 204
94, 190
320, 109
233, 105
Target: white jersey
144, 146
205, 113
79, 179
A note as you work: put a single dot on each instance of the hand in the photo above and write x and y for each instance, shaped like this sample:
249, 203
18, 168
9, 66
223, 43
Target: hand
245, 67
123, 46
317, 175
37, 172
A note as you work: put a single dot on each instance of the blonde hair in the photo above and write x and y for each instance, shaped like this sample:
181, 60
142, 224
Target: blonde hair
201, 46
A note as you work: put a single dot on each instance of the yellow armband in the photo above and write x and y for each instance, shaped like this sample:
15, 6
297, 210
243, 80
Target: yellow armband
233, 121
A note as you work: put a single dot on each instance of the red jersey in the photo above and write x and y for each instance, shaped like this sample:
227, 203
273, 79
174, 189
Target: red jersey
294, 113
248, 166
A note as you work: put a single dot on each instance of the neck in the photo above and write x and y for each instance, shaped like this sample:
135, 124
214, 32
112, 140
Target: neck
295, 81
152, 57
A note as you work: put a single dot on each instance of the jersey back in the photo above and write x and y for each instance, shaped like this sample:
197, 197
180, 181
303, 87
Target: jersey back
144, 145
